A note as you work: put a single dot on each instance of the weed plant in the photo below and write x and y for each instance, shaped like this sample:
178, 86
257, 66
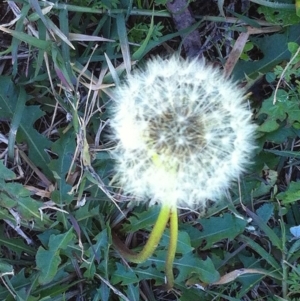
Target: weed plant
59, 62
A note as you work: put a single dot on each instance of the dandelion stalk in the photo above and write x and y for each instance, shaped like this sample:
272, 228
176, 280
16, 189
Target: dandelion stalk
183, 134
172, 248
152, 241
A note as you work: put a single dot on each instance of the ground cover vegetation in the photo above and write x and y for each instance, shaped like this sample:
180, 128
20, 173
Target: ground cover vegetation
60, 208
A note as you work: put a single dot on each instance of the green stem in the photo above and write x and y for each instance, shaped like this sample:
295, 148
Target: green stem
152, 242
172, 247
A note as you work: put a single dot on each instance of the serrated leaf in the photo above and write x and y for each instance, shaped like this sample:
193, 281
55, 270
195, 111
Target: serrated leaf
47, 261
15, 196
183, 242
278, 16
61, 241
272, 56
265, 212
142, 220
189, 266
123, 275
64, 148
279, 111
215, 229
36, 142
149, 272
95, 253
291, 195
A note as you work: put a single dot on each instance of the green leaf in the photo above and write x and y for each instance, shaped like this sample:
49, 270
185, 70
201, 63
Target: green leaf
183, 242
123, 275
265, 212
122, 33
95, 253
15, 196
6, 268
16, 245
274, 52
279, 16
283, 109
291, 195
64, 148
276, 241
189, 266
215, 229
149, 272
142, 220
36, 142
47, 261
43, 45
283, 153
261, 251
15, 123
5, 173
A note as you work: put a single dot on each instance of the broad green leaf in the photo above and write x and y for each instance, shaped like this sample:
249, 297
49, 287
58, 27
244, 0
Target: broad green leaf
183, 242
149, 272
279, 16
133, 292
15, 196
123, 275
6, 268
189, 265
64, 148
283, 109
37, 143
265, 212
291, 195
274, 49
5, 173
47, 261
215, 229
61, 241
95, 253
142, 220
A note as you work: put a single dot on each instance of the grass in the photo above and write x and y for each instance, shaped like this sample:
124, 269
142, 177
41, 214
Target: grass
58, 63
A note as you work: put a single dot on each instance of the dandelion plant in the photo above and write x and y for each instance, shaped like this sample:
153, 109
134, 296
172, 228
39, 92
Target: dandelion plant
183, 133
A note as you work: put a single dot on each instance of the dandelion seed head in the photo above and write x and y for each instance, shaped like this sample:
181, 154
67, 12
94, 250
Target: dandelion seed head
183, 132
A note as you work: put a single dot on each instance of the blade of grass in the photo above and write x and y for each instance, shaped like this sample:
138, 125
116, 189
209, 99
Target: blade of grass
262, 252
44, 45
264, 227
16, 120
122, 33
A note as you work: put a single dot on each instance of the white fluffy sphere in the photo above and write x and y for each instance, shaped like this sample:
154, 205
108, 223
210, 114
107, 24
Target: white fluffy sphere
183, 132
